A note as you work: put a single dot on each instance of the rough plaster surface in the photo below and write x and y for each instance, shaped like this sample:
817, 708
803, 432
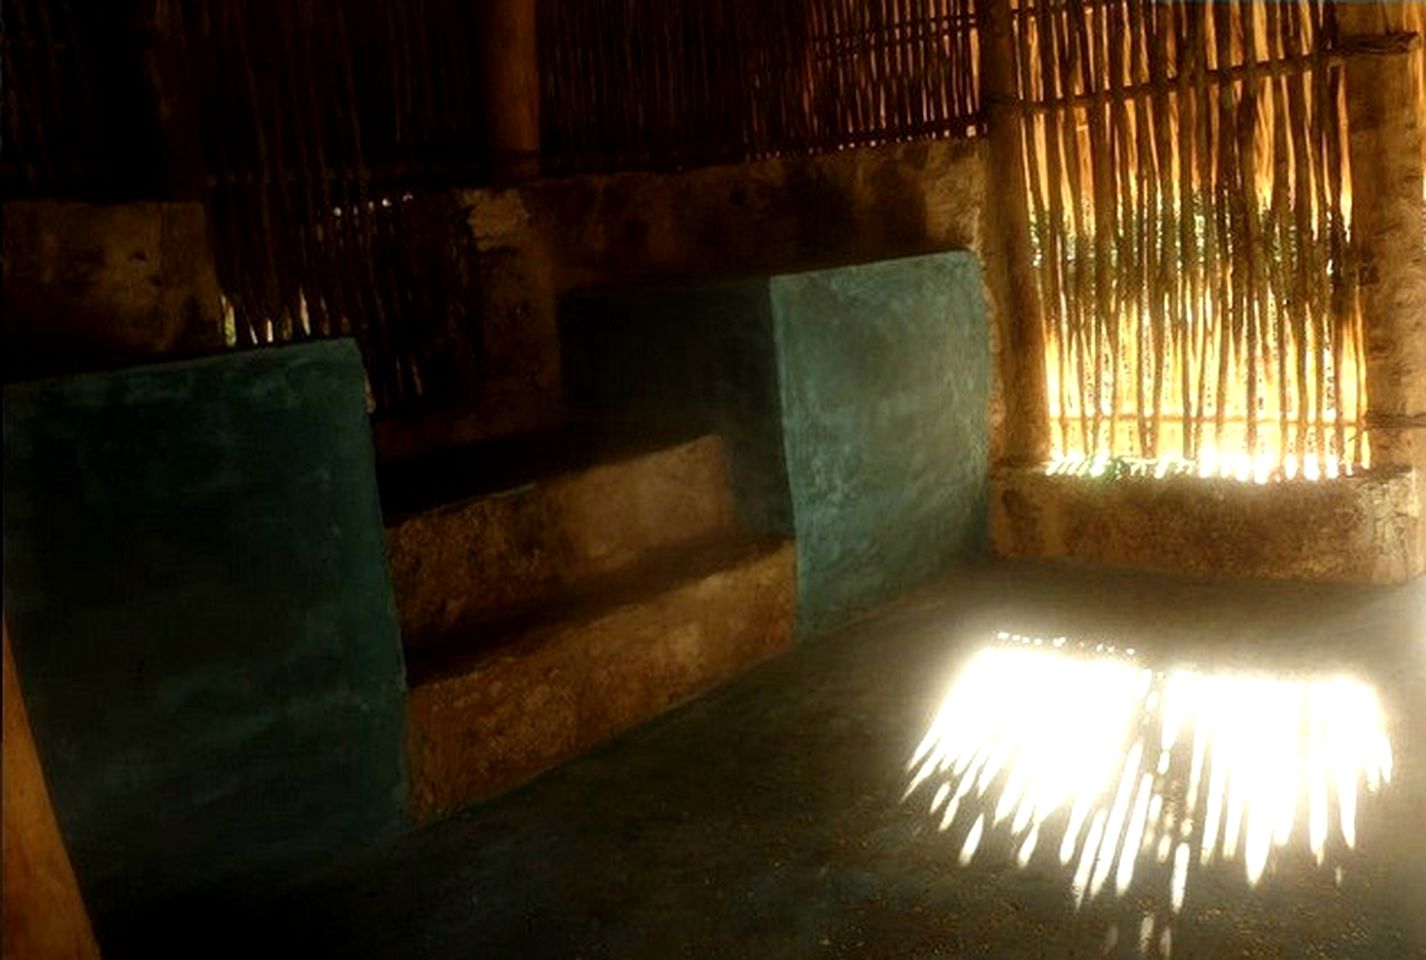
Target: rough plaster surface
539, 241
1363, 528
125, 282
202, 617
534, 243
94, 285
883, 370
504, 348
477, 726
497, 557
688, 358
759, 218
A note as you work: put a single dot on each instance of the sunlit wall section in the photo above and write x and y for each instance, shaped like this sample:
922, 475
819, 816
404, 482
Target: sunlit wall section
1190, 199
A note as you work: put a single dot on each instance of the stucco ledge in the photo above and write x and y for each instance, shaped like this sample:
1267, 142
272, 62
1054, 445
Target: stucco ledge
1364, 528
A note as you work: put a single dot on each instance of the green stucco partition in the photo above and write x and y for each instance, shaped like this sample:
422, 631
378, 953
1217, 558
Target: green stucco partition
883, 372
853, 401
199, 603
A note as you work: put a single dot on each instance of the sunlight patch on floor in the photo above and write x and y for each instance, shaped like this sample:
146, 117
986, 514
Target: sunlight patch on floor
1086, 755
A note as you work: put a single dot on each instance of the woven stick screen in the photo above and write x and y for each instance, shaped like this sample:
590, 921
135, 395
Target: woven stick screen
1191, 202
324, 127
323, 133
317, 132
674, 83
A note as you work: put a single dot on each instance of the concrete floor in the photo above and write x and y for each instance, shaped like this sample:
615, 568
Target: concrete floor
767, 819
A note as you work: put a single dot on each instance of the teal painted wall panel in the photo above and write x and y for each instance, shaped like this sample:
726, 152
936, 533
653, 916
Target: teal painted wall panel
853, 400
196, 584
884, 377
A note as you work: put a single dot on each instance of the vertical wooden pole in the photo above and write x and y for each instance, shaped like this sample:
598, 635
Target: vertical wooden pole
1024, 436
510, 62
1389, 228
44, 915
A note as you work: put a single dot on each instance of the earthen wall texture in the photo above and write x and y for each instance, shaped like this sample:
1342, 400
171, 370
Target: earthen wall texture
93, 286
1360, 528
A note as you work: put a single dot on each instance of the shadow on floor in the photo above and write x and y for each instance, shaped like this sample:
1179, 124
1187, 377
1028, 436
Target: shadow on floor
770, 818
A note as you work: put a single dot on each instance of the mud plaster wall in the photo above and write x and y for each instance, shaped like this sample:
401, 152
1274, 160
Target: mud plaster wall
1362, 528
860, 206
89, 286
774, 216
537, 242
94, 286
703, 227
201, 613
688, 359
713, 225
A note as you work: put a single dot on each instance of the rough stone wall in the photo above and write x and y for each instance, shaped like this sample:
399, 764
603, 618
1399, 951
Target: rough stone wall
497, 558
540, 240
1362, 528
88, 286
775, 216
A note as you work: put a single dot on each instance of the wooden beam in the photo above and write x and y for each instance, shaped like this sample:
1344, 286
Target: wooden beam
1389, 233
510, 61
44, 916
1024, 435
1389, 228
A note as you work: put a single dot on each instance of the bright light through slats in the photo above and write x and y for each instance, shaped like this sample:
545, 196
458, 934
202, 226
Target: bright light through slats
1264, 468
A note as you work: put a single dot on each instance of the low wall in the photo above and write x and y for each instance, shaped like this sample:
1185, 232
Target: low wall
90, 286
522, 551
202, 618
739, 220
535, 243
852, 399
1364, 528
883, 371
98, 286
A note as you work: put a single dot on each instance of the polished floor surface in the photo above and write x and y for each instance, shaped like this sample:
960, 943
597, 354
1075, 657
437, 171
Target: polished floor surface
1019, 761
